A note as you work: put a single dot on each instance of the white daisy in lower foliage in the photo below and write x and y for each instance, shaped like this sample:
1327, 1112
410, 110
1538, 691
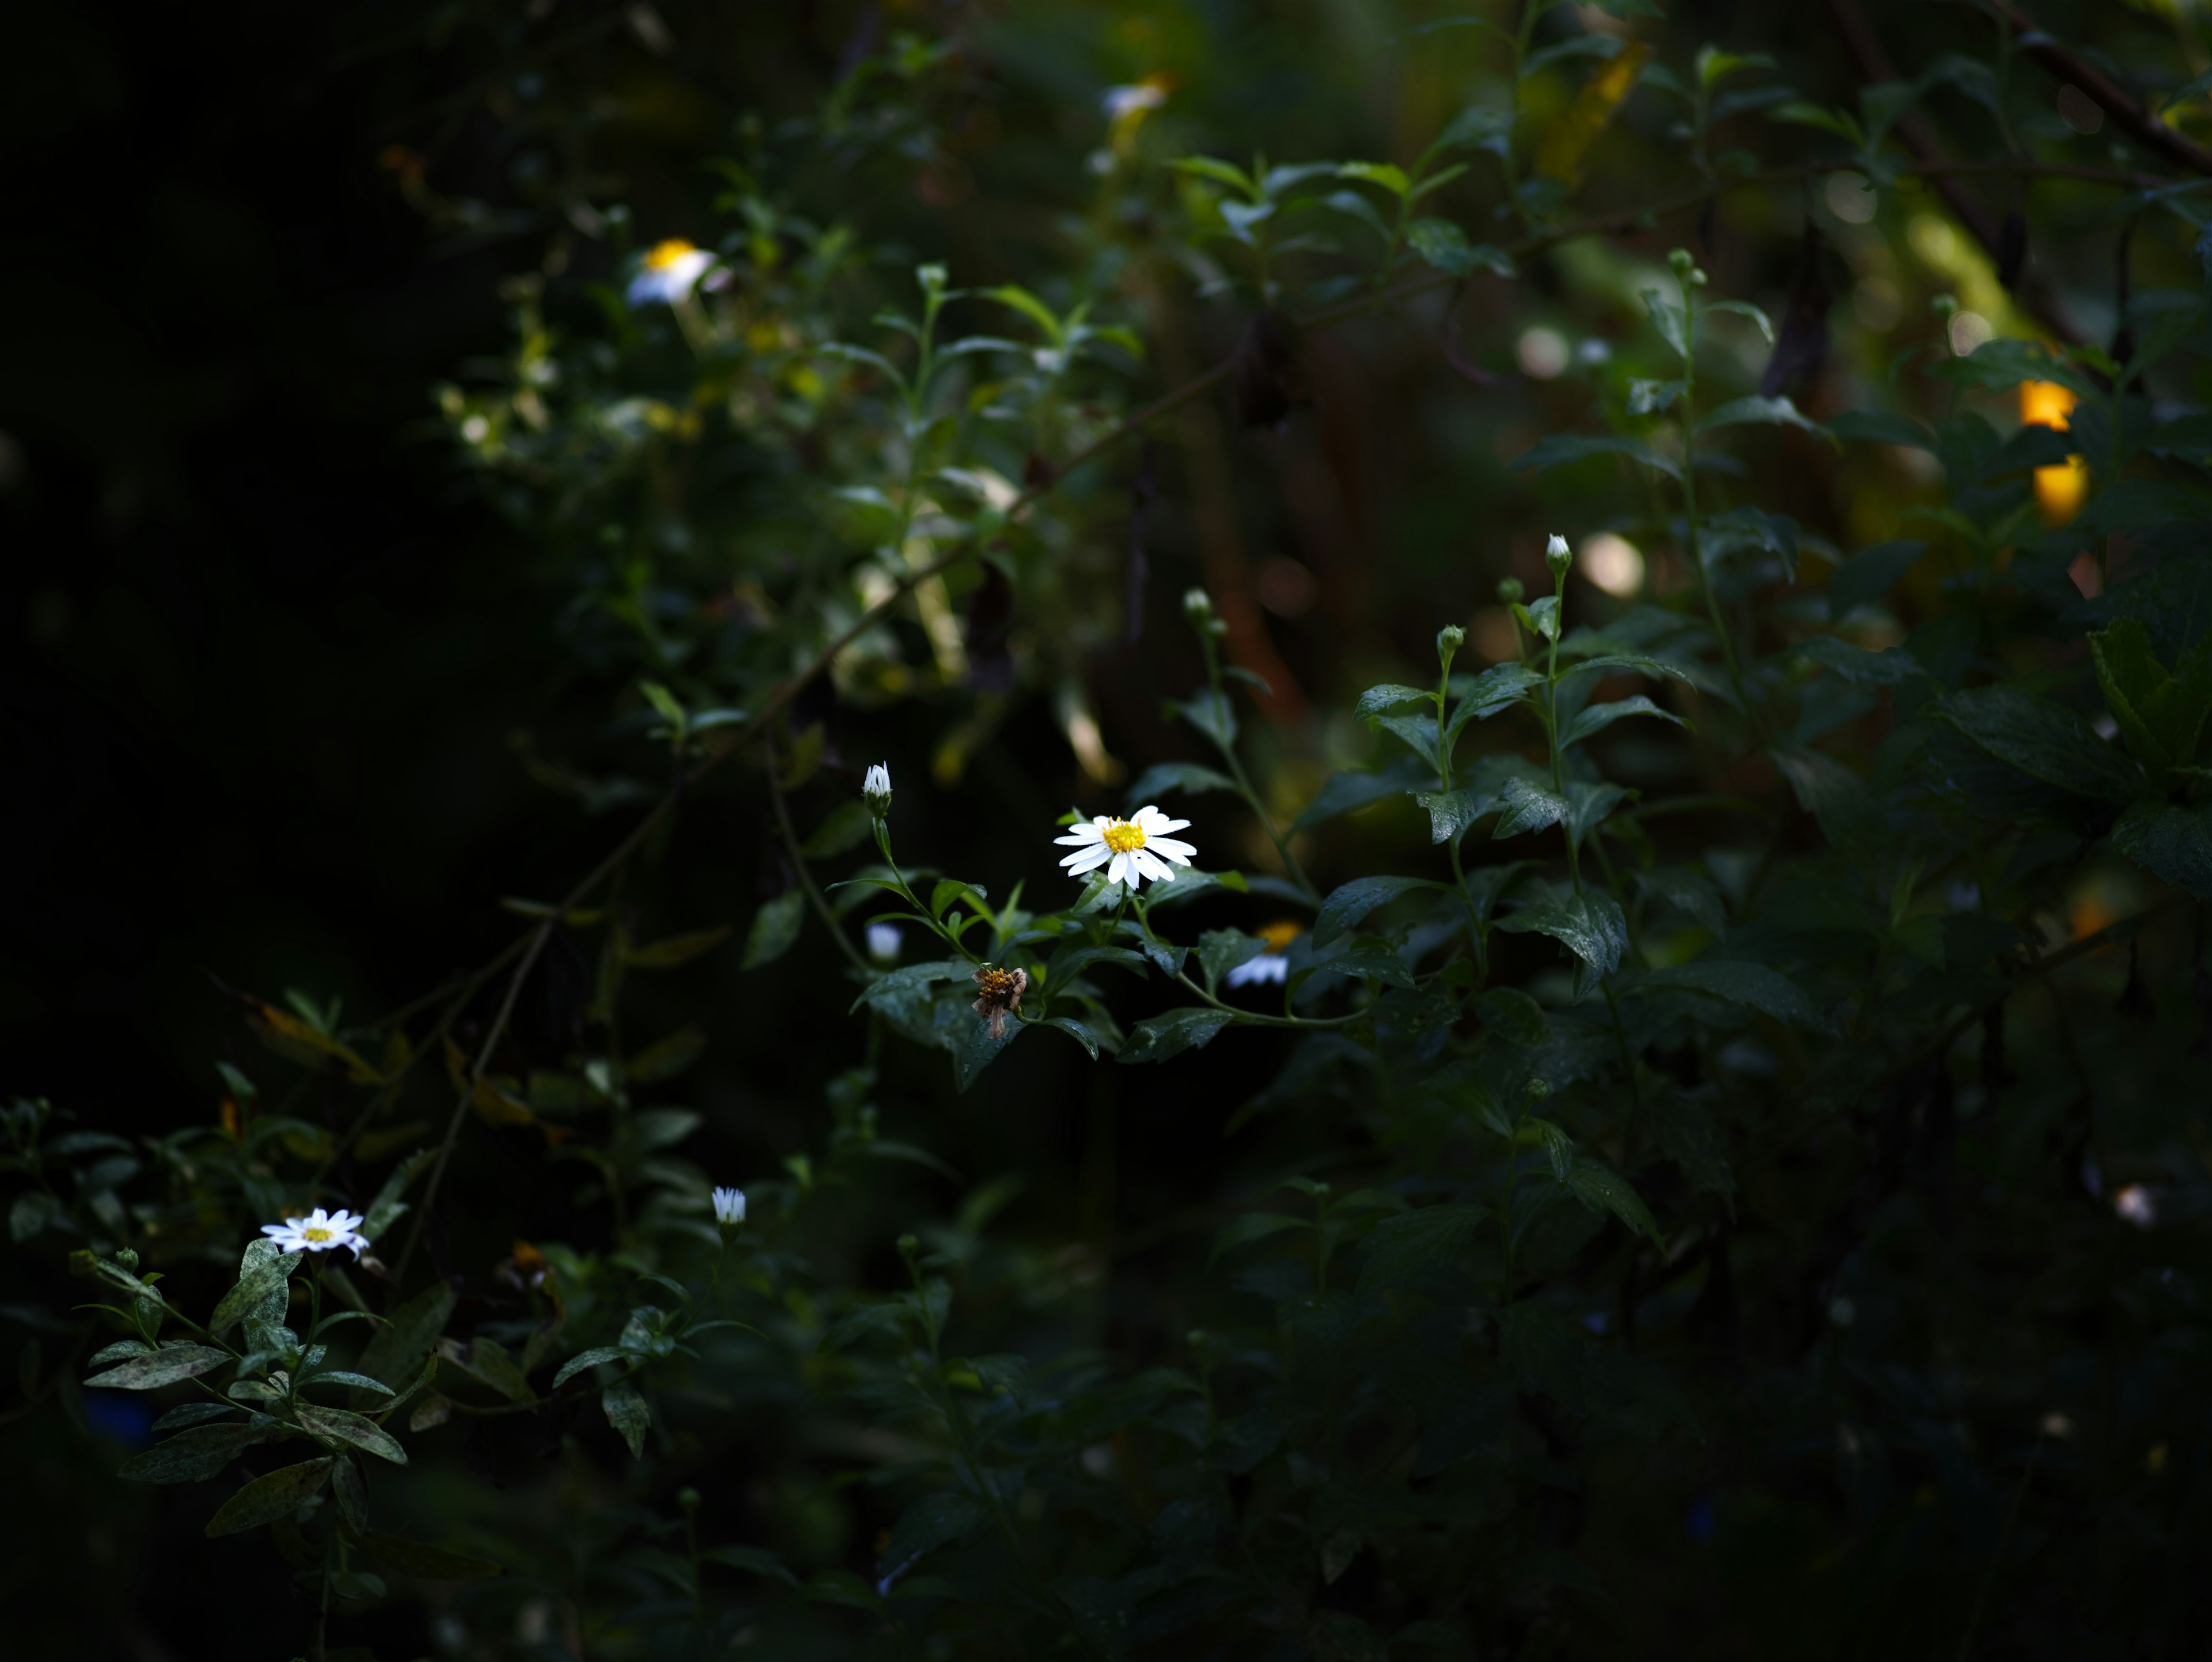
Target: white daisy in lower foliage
318, 1232
670, 272
883, 942
1270, 965
1131, 849
729, 1206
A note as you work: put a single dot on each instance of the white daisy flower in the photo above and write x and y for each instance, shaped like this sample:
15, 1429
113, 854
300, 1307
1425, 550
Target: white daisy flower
1270, 965
1131, 849
318, 1232
729, 1206
671, 269
1122, 102
883, 942
876, 789
2136, 1205
1257, 971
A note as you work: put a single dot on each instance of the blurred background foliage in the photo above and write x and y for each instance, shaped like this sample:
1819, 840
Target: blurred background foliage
352, 507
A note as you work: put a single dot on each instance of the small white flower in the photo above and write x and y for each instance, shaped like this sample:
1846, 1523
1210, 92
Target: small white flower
883, 942
1121, 102
1556, 547
1257, 972
318, 1232
876, 789
729, 1206
1131, 849
671, 269
2136, 1205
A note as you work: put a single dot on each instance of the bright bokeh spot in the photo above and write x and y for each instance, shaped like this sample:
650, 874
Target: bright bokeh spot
1540, 352
1968, 330
1850, 198
2060, 489
1613, 563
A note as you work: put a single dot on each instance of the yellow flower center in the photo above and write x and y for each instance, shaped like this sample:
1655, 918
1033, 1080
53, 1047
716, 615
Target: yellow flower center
665, 254
1279, 935
317, 1234
1125, 836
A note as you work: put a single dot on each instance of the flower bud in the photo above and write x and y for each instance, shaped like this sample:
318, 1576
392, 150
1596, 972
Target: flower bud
1449, 639
1509, 591
126, 1257
883, 942
729, 1207
1198, 606
876, 788
908, 1245
1558, 556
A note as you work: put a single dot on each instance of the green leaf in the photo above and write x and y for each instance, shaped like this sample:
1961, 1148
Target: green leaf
1391, 179
398, 1352
1744, 309
1589, 925
1672, 322
427, 1563
978, 1050
1544, 1349
1391, 695
1597, 717
252, 1289
266, 1499
1444, 246
1525, 808
1346, 906
1212, 714
1163, 776
583, 1360
2162, 716
1163, 1036
1220, 951
1757, 411
1756, 986
774, 928
674, 949
902, 986
1355, 790
1398, 1249
1602, 1189
347, 1426
2171, 842
933, 1521
847, 827
171, 1363
1253, 1227
2043, 741
1562, 448
627, 1413
1451, 812
1880, 427
338, 1376
1513, 1015
352, 1494
195, 1455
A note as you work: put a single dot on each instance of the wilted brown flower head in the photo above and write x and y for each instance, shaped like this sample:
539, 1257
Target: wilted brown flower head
1001, 995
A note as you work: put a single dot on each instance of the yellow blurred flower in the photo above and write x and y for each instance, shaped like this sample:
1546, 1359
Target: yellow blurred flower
2060, 487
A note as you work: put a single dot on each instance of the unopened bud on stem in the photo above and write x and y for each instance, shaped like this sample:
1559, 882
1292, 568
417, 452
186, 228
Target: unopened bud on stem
876, 790
1449, 639
1509, 591
1198, 606
1558, 556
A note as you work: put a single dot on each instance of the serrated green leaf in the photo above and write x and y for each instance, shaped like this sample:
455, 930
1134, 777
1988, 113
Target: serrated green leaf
1398, 1249
583, 1360
195, 1455
1163, 1036
1346, 906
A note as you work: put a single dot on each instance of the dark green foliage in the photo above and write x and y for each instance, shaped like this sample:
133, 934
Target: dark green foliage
1730, 1180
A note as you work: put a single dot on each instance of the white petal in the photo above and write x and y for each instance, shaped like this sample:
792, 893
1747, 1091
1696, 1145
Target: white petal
1159, 825
1138, 817
1179, 852
1119, 870
1090, 859
1081, 836
1153, 868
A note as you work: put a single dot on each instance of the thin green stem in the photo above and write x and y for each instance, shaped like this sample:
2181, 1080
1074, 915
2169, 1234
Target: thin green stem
805, 875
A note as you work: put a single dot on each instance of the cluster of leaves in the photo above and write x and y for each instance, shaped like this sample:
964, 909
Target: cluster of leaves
1761, 1036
